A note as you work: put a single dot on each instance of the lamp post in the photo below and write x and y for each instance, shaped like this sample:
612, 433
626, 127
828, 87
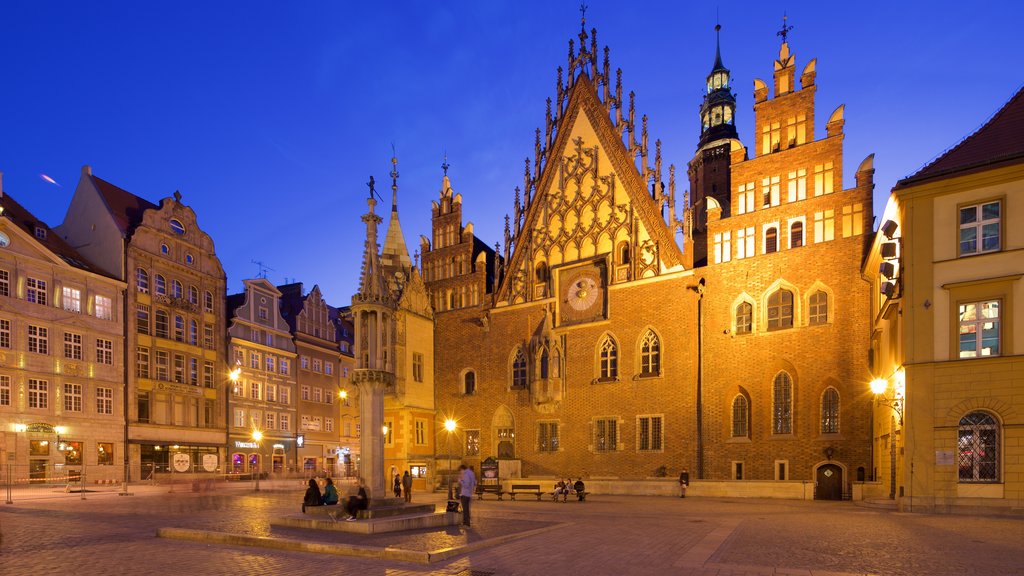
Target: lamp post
449, 425
17, 428
232, 386
878, 387
257, 437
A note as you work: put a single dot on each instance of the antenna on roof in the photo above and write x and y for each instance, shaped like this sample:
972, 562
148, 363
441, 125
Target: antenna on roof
262, 269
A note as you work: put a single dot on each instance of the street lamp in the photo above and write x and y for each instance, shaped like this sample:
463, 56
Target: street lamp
257, 437
879, 386
449, 425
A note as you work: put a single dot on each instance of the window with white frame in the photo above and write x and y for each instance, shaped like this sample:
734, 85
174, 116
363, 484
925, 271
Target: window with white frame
142, 280
980, 226
328, 424
796, 130
5, 390
179, 328
35, 291
740, 417
304, 362
38, 393
5, 333
318, 394
142, 362
978, 445
318, 365
263, 313
271, 392
606, 434
519, 370
193, 371
160, 284
420, 432
780, 310
179, 368
240, 418
796, 233
417, 366
193, 295
649, 433
270, 421
142, 318
823, 180
208, 336
744, 318
255, 390
72, 346
207, 374
38, 340
285, 394
745, 242
771, 238
162, 324
193, 332
5, 283
817, 308
208, 301
271, 363
104, 308
177, 290
161, 359
824, 226
329, 368
650, 354
830, 411
104, 351
283, 366
979, 329
722, 247
72, 397
71, 299
304, 392
745, 198
104, 400
782, 404
284, 422
770, 191
797, 185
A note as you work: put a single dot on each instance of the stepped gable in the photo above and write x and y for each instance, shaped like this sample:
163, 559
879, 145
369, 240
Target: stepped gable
1000, 141
632, 192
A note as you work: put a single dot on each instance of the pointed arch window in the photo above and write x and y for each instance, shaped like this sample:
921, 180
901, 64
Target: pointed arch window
978, 443
830, 411
142, 280
744, 318
780, 310
817, 306
650, 354
545, 359
740, 417
782, 404
609, 359
519, 370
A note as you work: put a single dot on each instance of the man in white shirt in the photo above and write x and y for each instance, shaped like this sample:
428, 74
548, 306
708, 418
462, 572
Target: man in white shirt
467, 486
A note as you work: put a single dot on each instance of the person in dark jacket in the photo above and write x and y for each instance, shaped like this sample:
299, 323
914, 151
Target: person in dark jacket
312, 497
407, 486
684, 482
398, 486
580, 488
330, 493
356, 503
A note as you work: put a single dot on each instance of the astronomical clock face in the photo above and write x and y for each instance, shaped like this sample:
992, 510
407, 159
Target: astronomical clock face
582, 294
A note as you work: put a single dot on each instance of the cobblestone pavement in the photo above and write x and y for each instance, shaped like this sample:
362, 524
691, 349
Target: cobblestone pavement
45, 532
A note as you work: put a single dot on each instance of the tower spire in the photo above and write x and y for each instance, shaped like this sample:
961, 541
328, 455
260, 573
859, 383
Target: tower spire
719, 104
371, 282
394, 180
785, 29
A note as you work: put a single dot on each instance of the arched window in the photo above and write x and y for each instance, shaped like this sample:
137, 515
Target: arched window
978, 443
541, 273
780, 310
208, 301
176, 289
796, 234
556, 364
161, 285
519, 370
469, 383
650, 354
744, 318
771, 240
830, 411
817, 306
193, 295
623, 252
142, 280
740, 417
609, 359
782, 404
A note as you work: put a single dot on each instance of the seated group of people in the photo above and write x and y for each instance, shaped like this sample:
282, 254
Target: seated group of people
353, 505
565, 486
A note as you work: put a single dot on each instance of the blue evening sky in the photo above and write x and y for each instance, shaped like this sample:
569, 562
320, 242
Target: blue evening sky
269, 117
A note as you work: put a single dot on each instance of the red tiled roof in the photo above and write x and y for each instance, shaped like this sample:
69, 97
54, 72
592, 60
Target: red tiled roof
125, 207
27, 221
999, 141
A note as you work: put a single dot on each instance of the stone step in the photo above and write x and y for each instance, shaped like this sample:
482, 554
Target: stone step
370, 526
389, 511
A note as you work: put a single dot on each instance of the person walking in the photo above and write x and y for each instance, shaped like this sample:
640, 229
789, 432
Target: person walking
467, 485
684, 482
407, 486
398, 485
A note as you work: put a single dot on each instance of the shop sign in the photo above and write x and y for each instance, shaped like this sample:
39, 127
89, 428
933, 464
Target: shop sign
241, 444
181, 462
210, 462
179, 388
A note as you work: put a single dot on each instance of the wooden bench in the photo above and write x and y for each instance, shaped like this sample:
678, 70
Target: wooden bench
565, 495
526, 489
482, 489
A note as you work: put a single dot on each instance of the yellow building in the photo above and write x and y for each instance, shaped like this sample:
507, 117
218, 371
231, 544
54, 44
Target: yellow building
62, 383
947, 267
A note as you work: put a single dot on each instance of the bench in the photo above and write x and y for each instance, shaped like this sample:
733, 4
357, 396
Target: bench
526, 489
482, 489
580, 496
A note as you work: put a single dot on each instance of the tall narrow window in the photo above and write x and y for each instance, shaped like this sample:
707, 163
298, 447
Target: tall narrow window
142, 280
606, 434
38, 340
469, 383
519, 370
104, 308
35, 291
978, 442
780, 310
142, 318
796, 234
771, 240
609, 359
160, 284
740, 417
176, 289
71, 299
547, 437
744, 318
650, 354
979, 329
830, 411
162, 322
817, 308
5, 283
979, 228
649, 438
782, 404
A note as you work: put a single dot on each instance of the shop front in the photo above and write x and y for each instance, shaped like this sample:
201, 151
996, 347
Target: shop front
269, 456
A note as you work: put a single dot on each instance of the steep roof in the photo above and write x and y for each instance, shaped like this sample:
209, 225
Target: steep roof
125, 207
53, 242
292, 302
1000, 141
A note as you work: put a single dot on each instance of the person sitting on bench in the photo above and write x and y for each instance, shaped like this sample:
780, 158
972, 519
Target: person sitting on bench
561, 489
357, 502
580, 488
330, 493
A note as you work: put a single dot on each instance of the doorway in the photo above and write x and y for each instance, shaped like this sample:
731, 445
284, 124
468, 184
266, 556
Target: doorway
829, 483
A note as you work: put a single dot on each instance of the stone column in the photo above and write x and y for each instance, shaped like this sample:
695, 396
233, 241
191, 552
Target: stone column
371, 437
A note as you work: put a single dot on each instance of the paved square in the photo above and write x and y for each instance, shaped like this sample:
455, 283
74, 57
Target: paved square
49, 531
